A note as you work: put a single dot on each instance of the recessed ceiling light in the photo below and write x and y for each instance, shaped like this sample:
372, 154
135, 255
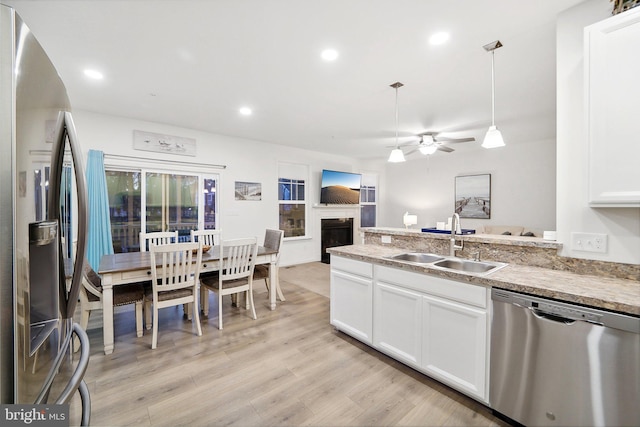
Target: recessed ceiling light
439, 38
245, 111
93, 74
329, 54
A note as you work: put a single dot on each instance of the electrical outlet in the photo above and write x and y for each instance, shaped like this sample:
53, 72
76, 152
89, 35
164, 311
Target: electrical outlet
589, 242
386, 239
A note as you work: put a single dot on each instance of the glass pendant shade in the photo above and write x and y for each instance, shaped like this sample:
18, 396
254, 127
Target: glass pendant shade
396, 156
493, 138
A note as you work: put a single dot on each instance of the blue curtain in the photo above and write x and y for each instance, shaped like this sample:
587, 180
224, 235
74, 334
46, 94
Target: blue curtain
99, 239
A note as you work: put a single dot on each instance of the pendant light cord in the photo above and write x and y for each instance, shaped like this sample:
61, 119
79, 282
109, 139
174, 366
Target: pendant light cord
397, 146
493, 89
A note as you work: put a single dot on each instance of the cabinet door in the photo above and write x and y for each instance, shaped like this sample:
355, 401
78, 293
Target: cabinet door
612, 95
454, 345
351, 305
396, 322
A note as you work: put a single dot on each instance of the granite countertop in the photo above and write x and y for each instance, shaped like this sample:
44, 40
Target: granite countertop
479, 238
621, 295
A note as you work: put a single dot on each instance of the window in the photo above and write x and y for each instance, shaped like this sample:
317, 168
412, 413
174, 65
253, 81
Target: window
292, 207
292, 197
158, 201
368, 201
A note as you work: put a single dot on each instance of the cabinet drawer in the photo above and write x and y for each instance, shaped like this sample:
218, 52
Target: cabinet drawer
360, 268
437, 286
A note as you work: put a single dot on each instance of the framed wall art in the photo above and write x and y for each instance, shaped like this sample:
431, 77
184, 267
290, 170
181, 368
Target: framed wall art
160, 143
248, 190
473, 196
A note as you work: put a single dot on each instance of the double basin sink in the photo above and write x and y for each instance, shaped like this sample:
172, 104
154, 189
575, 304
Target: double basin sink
449, 263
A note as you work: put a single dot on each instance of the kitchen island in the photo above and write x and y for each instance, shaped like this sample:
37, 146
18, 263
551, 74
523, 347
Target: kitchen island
534, 268
439, 320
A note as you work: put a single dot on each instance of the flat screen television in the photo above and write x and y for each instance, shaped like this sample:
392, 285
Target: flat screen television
340, 188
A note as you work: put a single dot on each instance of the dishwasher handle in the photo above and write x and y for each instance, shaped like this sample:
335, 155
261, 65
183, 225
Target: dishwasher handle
553, 317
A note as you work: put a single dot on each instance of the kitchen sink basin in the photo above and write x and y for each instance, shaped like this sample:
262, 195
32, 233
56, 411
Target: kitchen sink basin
469, 266
440, 262
417, 257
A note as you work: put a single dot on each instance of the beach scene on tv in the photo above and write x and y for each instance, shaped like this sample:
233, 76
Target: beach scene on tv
340, 188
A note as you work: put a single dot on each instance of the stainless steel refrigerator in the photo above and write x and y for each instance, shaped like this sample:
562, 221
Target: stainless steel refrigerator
43, 224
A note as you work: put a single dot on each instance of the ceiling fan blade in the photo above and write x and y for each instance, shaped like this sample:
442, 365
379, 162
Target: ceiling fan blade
411, 152
455, 140
445, 148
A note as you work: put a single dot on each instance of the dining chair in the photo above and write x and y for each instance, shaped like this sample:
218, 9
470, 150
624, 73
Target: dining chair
237, 262
272, 240
91, 297
175, 269
157, 238
207, 237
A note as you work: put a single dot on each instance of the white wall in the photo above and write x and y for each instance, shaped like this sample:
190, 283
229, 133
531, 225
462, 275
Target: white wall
522, 186
245, 160
622, 225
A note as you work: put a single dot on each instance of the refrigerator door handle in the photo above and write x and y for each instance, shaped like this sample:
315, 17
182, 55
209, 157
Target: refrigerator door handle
65, 129
76, 382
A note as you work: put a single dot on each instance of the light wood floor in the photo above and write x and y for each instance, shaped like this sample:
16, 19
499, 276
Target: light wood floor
288, 368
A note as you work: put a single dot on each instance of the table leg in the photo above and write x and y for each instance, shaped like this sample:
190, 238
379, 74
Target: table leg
107, 313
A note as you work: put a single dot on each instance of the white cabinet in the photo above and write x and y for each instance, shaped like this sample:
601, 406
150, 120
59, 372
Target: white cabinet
397, 322
454, 344
351, 303
437, 325
612, 102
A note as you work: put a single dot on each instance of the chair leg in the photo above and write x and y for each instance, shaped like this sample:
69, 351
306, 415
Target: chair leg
84, 319
84, 322
196, 317
154, 340
219, 309
139, 319
250, 300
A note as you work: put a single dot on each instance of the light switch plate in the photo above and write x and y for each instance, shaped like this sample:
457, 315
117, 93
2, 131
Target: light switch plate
589, 242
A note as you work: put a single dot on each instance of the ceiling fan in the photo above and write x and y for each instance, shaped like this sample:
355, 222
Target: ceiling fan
429, 143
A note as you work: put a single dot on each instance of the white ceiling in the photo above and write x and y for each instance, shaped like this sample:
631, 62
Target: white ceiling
194, 63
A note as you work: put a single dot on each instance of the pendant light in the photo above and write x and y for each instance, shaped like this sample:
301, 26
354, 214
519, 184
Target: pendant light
396, 156
493, 137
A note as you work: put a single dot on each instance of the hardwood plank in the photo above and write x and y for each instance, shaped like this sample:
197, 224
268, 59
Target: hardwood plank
288, 367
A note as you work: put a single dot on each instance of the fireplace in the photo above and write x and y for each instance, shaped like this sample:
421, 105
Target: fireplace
335, 232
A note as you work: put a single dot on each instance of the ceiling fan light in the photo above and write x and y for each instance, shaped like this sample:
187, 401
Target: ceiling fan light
396, 156
428, 149
493, 138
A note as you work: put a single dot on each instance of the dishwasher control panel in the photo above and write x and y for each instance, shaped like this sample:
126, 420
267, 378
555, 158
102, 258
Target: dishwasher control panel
566, 311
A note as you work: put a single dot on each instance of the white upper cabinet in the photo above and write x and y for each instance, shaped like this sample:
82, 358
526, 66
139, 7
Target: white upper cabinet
612, 104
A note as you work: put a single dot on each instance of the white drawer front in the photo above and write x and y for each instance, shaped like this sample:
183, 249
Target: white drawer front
353, 266
463, 292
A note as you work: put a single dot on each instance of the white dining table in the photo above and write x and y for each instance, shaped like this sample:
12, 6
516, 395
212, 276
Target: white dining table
132, 267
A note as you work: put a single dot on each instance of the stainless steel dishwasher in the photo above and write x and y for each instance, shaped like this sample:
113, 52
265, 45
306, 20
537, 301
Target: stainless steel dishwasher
559, 364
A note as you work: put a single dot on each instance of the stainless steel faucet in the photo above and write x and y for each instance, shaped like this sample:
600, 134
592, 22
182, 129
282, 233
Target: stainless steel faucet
455, 223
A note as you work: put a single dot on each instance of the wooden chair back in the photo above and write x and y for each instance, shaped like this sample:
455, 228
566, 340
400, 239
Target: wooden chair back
207, 237
238, 258
157, 238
